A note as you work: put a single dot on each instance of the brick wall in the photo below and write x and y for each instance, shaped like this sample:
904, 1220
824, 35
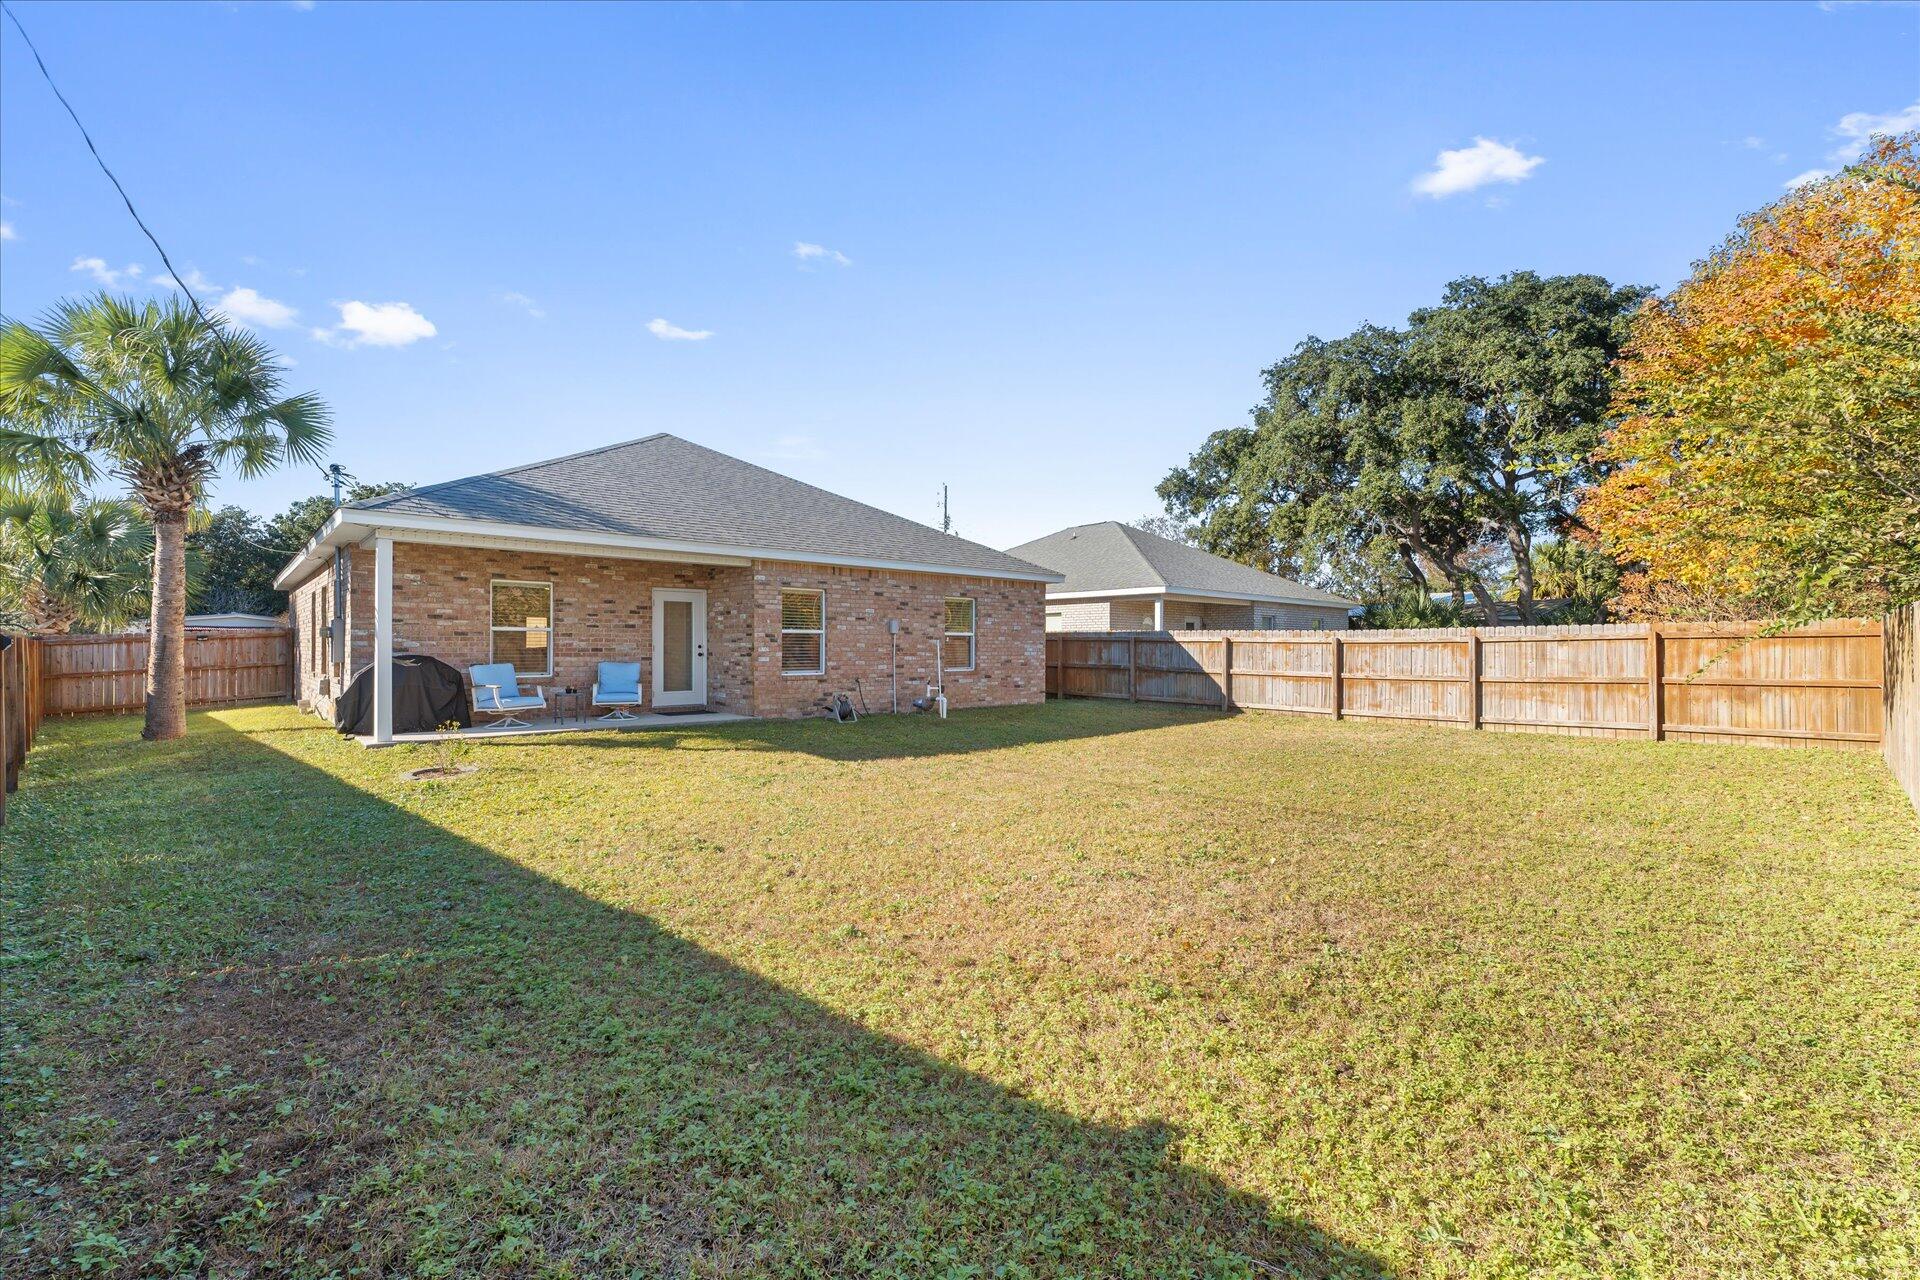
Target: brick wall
1078, 615
321, 674
1305, 617
1009, 624
603, 611
320, 669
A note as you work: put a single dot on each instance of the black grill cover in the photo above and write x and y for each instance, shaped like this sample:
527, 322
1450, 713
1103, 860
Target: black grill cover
426, 694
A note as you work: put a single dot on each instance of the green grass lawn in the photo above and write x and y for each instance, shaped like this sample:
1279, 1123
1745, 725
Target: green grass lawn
1087, 989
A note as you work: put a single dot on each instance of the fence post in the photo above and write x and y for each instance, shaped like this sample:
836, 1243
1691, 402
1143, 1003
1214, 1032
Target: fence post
1339, 689
1473, 680
1656, 682
1226, 673
7, 645
1133, 668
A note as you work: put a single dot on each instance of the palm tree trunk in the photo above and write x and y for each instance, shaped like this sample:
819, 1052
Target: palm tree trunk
167, 630
47, 615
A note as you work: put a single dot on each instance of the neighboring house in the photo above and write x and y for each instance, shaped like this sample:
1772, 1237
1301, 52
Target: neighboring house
1119, 578
732, 585
225, 622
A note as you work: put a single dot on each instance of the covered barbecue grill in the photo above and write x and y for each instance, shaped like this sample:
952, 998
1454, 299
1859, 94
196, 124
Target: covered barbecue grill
426, 694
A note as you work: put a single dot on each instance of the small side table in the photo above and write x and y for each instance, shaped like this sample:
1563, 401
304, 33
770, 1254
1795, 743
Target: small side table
568, 702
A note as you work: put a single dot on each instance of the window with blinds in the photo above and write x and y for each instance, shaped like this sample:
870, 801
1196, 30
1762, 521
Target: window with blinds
522, 627
956, 646
803, 633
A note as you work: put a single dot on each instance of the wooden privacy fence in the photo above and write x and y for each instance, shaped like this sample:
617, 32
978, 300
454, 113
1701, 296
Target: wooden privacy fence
86, 674
1816, 686
21, 708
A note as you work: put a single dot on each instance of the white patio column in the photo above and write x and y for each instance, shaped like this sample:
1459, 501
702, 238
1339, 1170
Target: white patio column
382, 639
1159, 613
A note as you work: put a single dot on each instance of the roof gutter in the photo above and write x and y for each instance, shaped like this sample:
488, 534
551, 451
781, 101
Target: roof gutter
349, 525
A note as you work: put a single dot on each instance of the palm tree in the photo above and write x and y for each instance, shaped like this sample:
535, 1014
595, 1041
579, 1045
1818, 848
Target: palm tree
63, 565
157, 397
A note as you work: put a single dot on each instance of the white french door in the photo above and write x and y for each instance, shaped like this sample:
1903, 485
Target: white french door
679, 647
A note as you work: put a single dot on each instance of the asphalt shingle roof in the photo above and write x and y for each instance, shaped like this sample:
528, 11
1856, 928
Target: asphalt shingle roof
1117, 557
664, 487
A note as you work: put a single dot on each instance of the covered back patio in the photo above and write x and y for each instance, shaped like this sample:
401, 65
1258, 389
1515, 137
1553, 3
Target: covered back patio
550, 608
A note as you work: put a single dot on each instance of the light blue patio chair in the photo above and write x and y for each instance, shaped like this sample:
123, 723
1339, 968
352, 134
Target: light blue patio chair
617, 688
496, 692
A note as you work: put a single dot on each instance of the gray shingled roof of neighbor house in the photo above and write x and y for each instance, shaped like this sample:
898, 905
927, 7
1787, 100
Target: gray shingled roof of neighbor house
664, 487
1111, 556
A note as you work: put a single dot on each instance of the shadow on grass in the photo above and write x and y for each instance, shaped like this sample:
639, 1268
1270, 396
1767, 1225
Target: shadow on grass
886, 736
369, 1041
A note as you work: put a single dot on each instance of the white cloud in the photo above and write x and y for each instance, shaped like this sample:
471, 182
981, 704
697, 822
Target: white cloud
1853, 132
7, 232
808, 252
1486, 161
195, 281
247, 307
1857, 128
525, 303
104, 274
666, 332
377, 324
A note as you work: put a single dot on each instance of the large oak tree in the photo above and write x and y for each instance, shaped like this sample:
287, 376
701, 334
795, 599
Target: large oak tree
1426, 456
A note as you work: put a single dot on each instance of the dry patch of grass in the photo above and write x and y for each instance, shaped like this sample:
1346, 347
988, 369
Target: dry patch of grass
1076, 990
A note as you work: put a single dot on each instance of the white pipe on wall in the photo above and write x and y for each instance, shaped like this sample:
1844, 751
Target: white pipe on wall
382, 640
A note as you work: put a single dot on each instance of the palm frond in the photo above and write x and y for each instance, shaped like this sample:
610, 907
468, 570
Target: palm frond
148, 391
42, 460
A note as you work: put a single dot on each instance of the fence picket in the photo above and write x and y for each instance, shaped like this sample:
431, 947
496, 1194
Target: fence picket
87, 674
1818, 685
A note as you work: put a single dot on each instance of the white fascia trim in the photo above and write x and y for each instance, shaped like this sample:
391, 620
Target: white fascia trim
1105, 595
309, 559
548, 546
399, 526
1172, 594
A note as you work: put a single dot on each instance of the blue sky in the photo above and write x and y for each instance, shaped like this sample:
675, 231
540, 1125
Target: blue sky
1055, 245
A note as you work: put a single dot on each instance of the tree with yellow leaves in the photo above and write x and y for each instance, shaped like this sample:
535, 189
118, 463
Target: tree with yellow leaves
1766, 457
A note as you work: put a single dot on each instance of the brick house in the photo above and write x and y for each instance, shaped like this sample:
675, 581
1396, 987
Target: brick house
1114, 577
733, 586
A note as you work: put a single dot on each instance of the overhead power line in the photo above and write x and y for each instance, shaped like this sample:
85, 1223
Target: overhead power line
172, 273
125, 198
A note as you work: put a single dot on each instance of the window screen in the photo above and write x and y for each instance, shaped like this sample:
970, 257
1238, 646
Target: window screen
956, 651
522, 626
803, 632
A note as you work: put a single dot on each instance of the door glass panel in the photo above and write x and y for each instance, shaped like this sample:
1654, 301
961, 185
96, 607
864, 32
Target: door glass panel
676, 646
